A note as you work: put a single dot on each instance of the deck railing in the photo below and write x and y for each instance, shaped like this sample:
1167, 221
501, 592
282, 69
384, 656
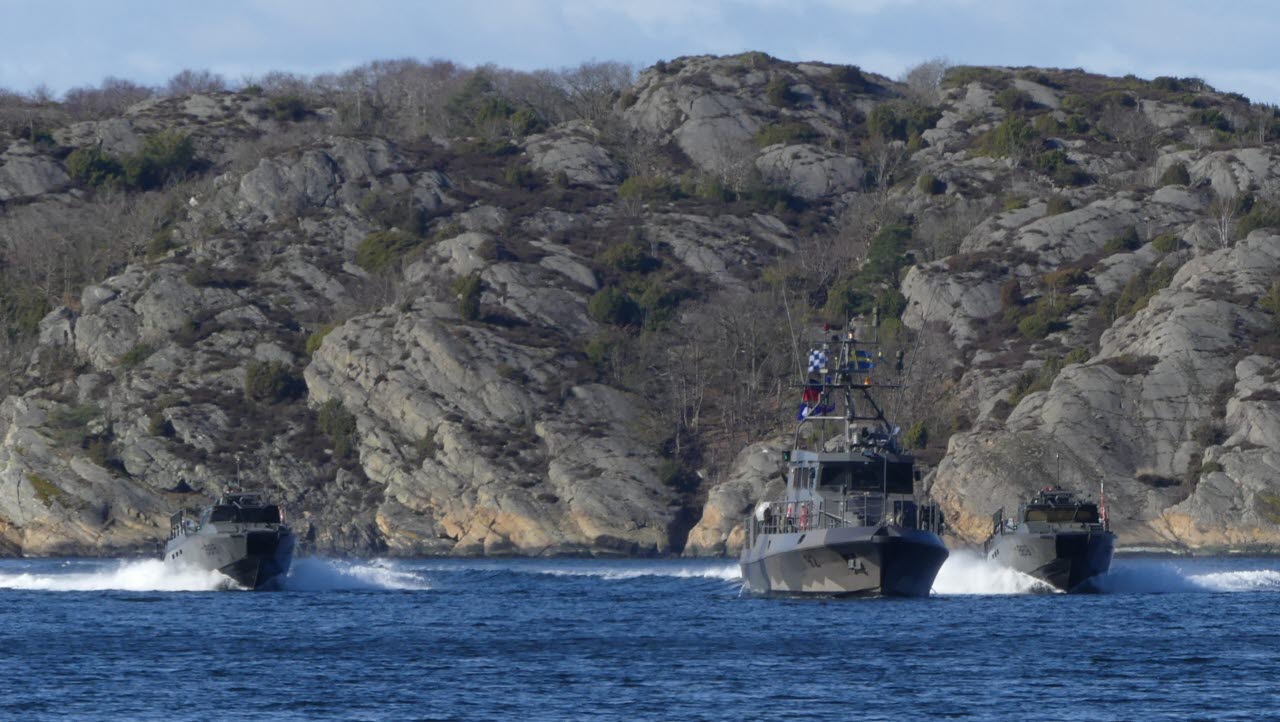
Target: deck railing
781, 517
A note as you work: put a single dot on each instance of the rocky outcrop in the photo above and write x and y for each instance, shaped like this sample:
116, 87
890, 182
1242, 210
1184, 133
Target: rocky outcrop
458, 339
1167, 413
809, 171
25, 173
757, 473
482, 448
572, 149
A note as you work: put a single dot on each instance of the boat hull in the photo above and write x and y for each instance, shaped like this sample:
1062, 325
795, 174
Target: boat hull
1068, 560
253, 560
844, 561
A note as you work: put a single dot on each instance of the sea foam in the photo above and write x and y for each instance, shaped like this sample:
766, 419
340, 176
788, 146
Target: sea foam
151, 575
967, 572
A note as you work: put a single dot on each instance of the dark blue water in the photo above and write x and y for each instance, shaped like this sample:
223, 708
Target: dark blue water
557, 640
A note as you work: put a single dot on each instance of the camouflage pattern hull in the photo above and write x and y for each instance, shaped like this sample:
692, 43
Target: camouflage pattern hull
1068, 560
253, 560
885, 560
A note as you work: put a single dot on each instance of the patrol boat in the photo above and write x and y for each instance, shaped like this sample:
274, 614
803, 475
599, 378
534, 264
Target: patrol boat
239, 535
850, 522
1056, 537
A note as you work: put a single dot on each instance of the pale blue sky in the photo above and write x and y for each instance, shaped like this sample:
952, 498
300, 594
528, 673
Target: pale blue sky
67, 43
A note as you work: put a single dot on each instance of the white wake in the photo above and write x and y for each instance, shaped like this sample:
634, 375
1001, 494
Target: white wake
724, 572
331, 575
149, 575
1163, 577
152, 575
967, 572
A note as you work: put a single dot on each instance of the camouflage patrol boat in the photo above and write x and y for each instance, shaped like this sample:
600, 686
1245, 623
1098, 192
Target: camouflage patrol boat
240, 536
1057, 538
850, 522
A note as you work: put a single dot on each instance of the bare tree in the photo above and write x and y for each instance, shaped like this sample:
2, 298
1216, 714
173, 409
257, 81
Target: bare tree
592, 87
924, 81
190, 82
886, 158
110, 98
1224, 212
1131, 128
943, 231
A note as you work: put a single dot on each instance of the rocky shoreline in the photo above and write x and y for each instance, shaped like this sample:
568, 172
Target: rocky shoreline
552, 333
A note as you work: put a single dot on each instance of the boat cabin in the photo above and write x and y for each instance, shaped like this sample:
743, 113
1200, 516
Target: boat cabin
1052, 508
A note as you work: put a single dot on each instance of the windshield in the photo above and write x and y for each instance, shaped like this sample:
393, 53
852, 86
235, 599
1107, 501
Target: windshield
1068, 515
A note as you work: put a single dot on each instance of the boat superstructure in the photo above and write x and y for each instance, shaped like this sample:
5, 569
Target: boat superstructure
1056, 537
850, 521
240, 535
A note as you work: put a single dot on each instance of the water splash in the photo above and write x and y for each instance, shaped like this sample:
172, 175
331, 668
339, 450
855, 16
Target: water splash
1144, 576
330, 575
967, 572
723, 572
150, 575
607, 570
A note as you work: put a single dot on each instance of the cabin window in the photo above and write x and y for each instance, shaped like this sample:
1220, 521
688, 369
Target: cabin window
1077, 515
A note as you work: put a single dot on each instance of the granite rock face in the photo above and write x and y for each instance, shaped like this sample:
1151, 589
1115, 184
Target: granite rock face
453, 338
1173, 413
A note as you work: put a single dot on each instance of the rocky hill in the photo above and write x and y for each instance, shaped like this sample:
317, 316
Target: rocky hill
450, 311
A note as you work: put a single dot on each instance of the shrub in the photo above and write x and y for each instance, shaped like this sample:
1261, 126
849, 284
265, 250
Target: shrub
1175, 175
46, 491
964, 74
1066, 278
917, 436
1211, 118
1013, 100
468, 290
1140, 289
1036, 326
525, 122
1261, 215
1268, 504
1166, 242
272, 382
383, 249
316, 338
1012, 203
159, 245
519, 175
93, 167
1041, 379
614, 307
600, 349
21, 310
392, 210
851, 77
930, 185
1058, 205
1126, 241
1011, 137
339, 425
165, 156
779, 93
136, 355
628, 257
658, 302
286, 108
789, 132
897, 122
646, 187
158, 425
1011, 294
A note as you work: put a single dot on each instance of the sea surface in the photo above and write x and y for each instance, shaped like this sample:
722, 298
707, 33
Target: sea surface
1176, 639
